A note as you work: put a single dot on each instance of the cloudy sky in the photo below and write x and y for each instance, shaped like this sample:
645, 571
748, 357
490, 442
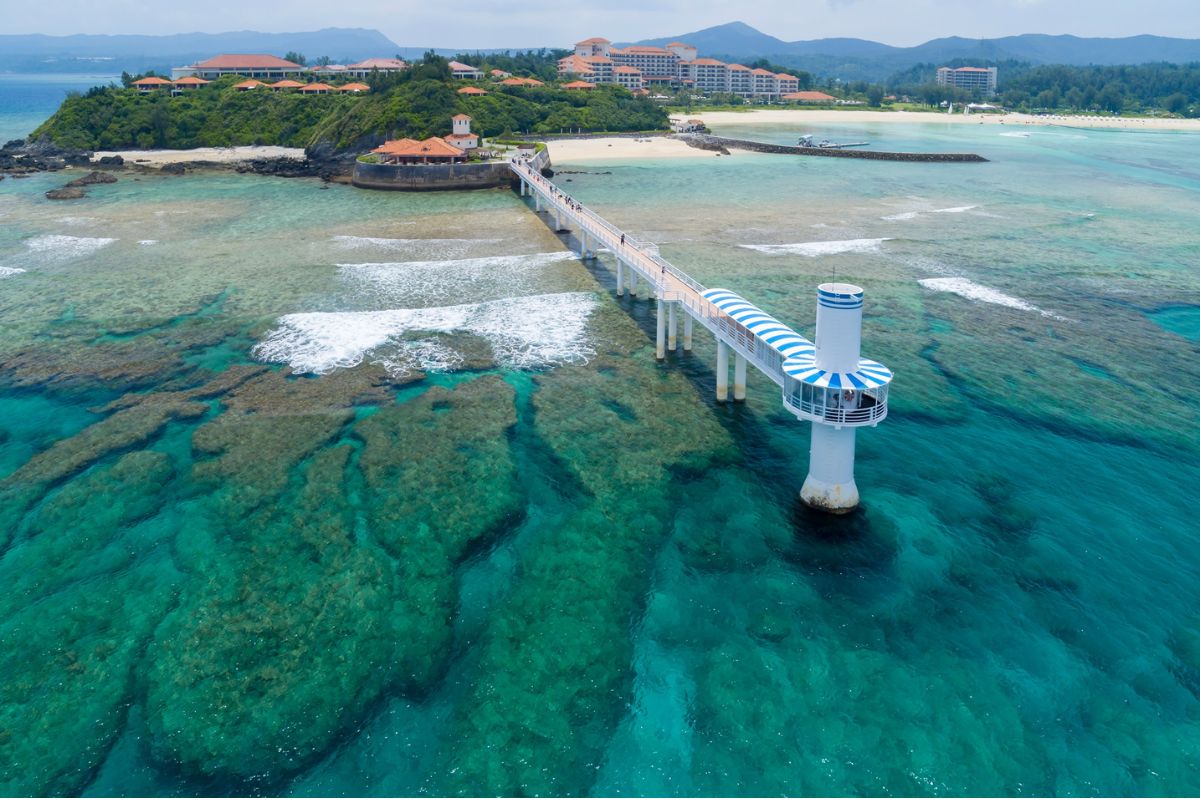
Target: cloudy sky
526, 23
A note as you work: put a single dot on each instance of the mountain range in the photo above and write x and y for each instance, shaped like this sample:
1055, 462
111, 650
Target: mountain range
860, 59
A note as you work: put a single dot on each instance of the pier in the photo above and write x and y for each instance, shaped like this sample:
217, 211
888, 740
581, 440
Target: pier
825, 382
707, 141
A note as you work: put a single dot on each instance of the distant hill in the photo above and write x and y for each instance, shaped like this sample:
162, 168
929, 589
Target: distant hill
96, 53
855, 59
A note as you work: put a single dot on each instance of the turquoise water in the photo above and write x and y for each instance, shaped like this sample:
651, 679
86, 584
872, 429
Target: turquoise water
26, 100
313, 491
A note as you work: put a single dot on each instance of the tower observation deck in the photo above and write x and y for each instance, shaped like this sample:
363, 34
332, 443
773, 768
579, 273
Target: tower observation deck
825, 382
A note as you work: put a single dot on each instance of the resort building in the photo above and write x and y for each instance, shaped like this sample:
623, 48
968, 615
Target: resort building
462, 138
250, 66
581, 85
246, 86
150, 84
499, 74
384, 66
677, 65
521, 82
473, 91
315, 88
433, 150
354, 88
329, 71
287, 84
973, 79
187, 83
464, 71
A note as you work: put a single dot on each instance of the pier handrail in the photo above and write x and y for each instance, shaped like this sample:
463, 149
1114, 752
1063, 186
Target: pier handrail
643, 256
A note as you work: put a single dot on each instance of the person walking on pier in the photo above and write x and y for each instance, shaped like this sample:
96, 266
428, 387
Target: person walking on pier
622, 240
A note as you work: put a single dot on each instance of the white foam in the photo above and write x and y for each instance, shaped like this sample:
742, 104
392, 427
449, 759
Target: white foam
815, 249
1016, 134
145, 242
983, 294
419, 247
524, 332
914, 214
440, 281
8, 272
57, 247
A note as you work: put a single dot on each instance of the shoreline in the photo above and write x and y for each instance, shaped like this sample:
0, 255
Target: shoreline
208, 155
798, 116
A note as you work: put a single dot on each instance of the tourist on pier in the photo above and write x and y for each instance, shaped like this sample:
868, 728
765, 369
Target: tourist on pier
622, 240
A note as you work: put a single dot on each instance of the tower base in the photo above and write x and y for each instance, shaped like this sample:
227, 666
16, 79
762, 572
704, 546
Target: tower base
833, 498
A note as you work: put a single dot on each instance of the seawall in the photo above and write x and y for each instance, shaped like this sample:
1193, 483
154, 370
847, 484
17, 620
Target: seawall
705, 141
438, 177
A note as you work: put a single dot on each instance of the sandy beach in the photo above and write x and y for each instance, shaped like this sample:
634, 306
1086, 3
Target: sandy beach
797, 116
218, 155
619, 148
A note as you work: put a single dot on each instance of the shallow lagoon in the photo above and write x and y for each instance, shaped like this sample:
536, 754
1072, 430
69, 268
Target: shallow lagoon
494, 548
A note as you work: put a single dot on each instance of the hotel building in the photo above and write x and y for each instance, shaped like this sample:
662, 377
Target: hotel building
596, 61
973, 79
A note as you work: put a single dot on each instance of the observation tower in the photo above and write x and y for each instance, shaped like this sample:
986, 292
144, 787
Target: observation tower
839, 392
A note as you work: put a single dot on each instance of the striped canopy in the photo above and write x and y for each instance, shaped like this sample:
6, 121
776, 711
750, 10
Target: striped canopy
780, 337
869, 375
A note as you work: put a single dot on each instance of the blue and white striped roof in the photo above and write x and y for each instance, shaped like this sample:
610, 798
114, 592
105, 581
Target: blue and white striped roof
869, 375
780, 337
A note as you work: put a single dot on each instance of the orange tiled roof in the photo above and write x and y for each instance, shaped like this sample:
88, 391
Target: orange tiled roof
595, 40
461, 116
287, 84
243, 61
709, 62
475, 90
354, 87
380, 63
638, 49
433, 146
783, 76
521, 82
458, 66
316, 87
153, 80
761, 71
595, 59
812, 97
739, 67
678, 44
190, 80
579, 85
250, 84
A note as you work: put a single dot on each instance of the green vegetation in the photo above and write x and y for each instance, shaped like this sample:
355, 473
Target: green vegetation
416, 103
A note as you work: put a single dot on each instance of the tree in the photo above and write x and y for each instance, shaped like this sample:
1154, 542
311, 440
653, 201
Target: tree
1176, 103
296, 58
874, 95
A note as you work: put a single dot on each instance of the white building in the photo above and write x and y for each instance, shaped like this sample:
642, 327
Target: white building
464, 72
462, 138
973, 79
385, 66
246, 65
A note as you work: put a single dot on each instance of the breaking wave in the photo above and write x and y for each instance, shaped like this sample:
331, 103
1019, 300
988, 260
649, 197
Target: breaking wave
524, 333
58, 247
418, 247
983, 294
815, 249
8, 272
914, 214
445, 280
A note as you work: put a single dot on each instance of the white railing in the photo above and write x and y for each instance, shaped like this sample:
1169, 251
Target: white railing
645, 260
820, 412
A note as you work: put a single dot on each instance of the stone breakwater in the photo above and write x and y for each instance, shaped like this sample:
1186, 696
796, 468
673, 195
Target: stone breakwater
704, 141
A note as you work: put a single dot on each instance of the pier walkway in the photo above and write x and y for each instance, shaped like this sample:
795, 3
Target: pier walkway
852, 396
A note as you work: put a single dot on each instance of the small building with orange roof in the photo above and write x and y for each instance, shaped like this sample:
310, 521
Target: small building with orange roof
354, 88
150, 84
473, 91
521, 82
433, 150
316, 88
286, 84
581, 85
246, 86
187, 83
498, 74
462, 137
809, 97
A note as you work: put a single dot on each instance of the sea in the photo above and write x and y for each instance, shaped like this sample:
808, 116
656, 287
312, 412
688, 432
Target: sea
310, 490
